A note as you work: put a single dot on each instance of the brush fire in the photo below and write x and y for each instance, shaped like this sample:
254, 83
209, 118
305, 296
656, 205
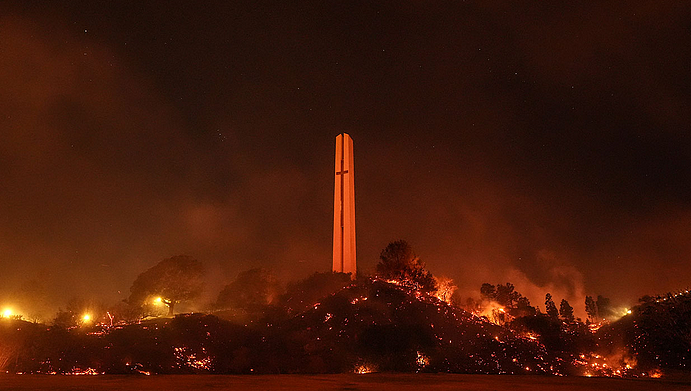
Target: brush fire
370, 325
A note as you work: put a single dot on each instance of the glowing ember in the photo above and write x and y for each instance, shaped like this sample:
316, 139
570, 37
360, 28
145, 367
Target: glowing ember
531, 336
422, 360
619, 364
81, 372
594, 327
655, 374
200, 361
365, 368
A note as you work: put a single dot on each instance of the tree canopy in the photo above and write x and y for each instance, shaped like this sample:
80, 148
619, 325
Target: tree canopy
252, 290
566, 311
173, 280
590, 308
506, 296
550, 307
398, 262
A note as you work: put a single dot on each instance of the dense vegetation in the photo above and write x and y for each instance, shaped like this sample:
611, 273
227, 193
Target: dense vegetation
401, 319
370, 325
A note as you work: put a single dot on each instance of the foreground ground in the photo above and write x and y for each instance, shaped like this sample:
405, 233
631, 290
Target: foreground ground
397, 382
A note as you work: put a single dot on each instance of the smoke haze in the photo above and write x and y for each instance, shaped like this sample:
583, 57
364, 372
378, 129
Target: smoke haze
544, 145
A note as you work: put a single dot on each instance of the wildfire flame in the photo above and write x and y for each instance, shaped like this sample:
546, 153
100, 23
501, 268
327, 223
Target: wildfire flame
362, 369
655, 374
495, 313
422, 360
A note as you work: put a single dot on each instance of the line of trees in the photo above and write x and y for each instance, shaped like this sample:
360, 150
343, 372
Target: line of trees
181, 279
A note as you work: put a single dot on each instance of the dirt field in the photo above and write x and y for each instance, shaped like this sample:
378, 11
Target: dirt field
397, 382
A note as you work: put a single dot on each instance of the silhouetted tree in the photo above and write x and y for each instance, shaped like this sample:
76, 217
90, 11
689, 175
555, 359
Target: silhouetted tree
522, 308
399, 262
470, 305
507, 296
250, 291
646, 299
604, 307
65, 319
590, 308
550, 307
174, 280
123, 311
488, 292
566, 311
457, 299
75, 310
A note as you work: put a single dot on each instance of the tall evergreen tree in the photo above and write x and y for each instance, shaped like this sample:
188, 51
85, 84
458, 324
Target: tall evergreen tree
399, 262
590, 308
566, 311
550, 307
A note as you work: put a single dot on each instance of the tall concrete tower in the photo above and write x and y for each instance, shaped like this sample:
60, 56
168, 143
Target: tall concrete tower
344, 207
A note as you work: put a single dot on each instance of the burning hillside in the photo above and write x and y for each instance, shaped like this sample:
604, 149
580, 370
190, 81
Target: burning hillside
657, 332
390, 327
370, 325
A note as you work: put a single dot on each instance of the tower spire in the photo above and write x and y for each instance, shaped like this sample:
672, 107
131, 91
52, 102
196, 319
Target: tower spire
344, 207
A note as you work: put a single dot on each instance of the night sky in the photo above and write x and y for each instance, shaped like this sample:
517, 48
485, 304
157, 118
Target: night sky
543, 143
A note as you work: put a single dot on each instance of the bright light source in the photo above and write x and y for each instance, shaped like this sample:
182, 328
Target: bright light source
86, 318
628, 312
7, 313
158, 300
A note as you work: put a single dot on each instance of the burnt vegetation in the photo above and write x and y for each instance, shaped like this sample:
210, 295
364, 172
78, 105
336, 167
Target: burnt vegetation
401, 319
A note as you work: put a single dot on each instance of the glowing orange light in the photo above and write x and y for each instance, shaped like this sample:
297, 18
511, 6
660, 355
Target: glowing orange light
364, 368
421, 359
655, 374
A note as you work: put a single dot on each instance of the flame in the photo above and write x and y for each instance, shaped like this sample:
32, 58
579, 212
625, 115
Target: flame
655, 374
422, 360
76, 371
445, 289
362, 369
619, 364
495, 313
185, 356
